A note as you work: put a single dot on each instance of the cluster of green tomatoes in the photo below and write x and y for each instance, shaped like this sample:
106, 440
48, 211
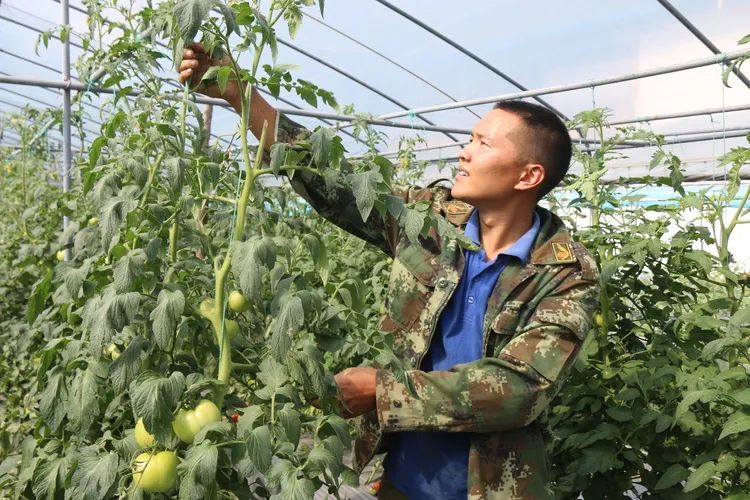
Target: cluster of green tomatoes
156, 472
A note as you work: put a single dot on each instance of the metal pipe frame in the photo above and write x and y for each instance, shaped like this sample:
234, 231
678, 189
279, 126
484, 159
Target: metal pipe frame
43, 103
468, 53
746, 129
685, 114
718, 130
346, 75
357, 80
67, 157
633, 145
599, 82
35, 82
700, 36
30, 61
386, 58
301, 112
710, 137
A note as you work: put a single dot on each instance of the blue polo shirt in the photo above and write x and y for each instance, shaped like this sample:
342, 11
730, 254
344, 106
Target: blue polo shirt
430, 465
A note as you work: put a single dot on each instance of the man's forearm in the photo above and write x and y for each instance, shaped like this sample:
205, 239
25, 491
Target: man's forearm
260, 111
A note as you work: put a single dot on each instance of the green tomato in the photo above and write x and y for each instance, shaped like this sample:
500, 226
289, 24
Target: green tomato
188, 423
113, 352
599, 320
60, 255
207, 308
144, 438
93, 221
238, 302
155, 472
231, 328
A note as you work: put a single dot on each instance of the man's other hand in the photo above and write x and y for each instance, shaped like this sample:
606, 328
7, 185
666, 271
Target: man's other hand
195, 63
357, 386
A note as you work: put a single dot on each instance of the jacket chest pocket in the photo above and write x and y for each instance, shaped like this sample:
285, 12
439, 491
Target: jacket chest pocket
411, 283
504, 326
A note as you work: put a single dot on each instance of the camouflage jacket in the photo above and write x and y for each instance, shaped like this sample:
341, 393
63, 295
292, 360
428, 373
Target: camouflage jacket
537, 318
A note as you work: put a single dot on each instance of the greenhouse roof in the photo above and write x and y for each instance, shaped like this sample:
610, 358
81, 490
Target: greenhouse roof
398, 58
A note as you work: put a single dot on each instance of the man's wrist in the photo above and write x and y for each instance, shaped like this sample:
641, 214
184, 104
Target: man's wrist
234, 94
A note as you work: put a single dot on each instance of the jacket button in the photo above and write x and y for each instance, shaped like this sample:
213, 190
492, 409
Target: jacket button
442, 283
397, 403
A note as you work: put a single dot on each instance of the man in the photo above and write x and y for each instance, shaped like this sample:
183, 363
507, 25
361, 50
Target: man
488, 334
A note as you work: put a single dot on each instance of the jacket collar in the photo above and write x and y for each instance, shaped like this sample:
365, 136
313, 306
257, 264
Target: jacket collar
553, 244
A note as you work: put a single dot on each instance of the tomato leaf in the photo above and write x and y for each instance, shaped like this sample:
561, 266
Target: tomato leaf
83, 407
39, 295
154, 399
738, 422
113, 213
319, 253
320, 144
413, 219
49, 476
290, 421
125, 368
53, 401
273, 374
127, 269
189, 15
95, 474
673, 475
230, 19
166, 315
278, 156
320, 459
700, 476
249, 260
255, 453
364, 188
198, 472
339, 427
287, 322
73, 278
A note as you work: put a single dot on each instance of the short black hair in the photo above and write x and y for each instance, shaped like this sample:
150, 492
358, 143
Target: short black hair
544, 140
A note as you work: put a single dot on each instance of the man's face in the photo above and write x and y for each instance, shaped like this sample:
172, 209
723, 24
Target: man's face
490, 166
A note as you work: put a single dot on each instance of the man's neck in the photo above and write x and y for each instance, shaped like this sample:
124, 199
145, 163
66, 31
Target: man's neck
500, 229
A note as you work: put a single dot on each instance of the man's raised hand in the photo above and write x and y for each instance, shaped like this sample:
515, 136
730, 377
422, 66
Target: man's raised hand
195, 62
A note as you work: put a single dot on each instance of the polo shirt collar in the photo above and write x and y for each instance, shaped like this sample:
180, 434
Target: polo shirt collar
521, 249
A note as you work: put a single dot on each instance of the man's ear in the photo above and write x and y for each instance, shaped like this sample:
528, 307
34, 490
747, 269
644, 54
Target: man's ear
531, 177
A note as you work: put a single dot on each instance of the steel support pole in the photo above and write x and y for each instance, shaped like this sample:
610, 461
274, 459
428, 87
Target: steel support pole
67, 155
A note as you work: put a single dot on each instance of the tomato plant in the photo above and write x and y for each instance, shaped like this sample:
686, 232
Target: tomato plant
658, 401
153, 276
